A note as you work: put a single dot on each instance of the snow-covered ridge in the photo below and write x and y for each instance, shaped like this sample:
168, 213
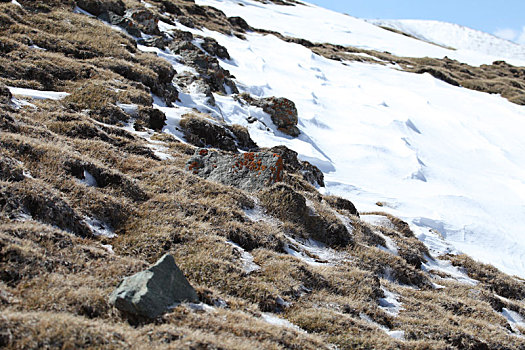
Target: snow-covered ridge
445, 159
317, 24
455, 36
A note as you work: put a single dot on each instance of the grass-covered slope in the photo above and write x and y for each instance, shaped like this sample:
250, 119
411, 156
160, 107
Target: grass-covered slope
90, 193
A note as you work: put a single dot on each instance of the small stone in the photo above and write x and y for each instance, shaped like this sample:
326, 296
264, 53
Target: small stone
150, 293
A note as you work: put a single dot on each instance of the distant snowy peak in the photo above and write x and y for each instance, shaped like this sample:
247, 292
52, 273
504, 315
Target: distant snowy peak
455, 36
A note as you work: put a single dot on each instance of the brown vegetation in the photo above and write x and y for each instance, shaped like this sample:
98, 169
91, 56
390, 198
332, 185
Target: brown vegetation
57, 270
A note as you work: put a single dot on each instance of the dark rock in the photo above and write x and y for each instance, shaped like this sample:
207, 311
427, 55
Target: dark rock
282, 111
310, 172
5, 94
149, 294
98, 7
155, 119
286, 204
239, 23
244, 140
144, 20
159, 42
171, 7
212, 47
342, 204
206, 133
249, 171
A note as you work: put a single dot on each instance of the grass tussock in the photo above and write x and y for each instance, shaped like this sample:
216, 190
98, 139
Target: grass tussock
56, 274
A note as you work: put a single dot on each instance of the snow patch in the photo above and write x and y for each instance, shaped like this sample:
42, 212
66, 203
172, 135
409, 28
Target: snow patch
445, 266
246, 258
280, 322
394, 334
313, 252
515, 319
38, 94
89, 179
100, 228
390, 303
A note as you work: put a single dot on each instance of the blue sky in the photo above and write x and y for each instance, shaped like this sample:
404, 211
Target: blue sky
505, 18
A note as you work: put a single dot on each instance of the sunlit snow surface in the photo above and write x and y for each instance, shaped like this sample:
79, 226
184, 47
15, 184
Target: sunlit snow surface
456, 36
321, 25
450, 161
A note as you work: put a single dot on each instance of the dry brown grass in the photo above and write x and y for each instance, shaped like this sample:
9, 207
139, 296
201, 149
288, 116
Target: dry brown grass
54, 283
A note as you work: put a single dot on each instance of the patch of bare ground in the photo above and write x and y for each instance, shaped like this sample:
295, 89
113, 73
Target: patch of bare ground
85, 203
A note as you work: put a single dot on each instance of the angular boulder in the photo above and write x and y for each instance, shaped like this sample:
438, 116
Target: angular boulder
150, 293
250, 171
283, 113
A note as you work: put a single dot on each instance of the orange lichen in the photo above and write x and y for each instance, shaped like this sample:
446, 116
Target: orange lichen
203, 152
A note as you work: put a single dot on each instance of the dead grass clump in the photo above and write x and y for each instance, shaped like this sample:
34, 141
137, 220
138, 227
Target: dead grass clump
92, 96
35, 199
391, 267
286, 204
502, 284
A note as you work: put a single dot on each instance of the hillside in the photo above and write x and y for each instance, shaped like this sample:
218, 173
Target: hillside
315, 191
456, 36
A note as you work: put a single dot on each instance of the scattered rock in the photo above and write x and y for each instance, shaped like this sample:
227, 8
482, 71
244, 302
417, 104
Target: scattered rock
204, 132
213, 77
154, 118
5, 94
286, 204
310, 172
212, 47
249, 171
150, 293
98, 7
144, 20
342, 204
282, 111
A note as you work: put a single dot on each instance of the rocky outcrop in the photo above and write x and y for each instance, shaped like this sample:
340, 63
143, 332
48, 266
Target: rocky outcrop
252, 171
149, 294
310, 172
282, 111
211, 76
286, 204
204, 132
249, 171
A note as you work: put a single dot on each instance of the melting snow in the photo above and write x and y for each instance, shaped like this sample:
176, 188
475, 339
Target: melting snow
38, 94
390, 303
277, 321
89, 179
394, 334
313, 252
100, 228
246, 258
369, 153
515, 319
455, 273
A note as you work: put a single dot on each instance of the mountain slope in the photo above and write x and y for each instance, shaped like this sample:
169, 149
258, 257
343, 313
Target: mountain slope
116, 152
378, 135
456, 36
